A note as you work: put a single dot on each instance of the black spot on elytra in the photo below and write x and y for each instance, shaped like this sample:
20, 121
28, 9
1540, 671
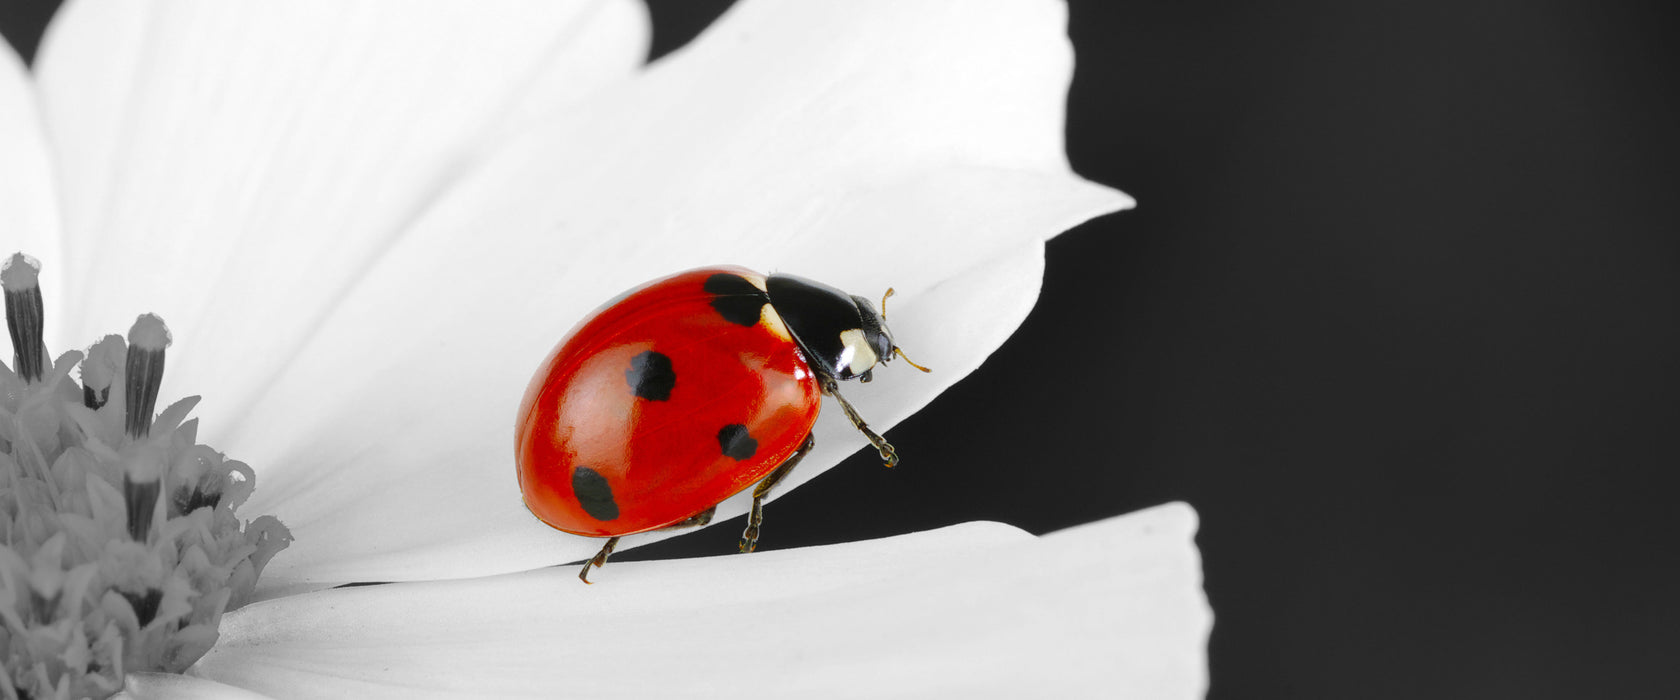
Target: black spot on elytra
594, 494
650, 376
736, 299
736, 443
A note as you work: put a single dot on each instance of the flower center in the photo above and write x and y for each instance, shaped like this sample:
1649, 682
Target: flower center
119, 547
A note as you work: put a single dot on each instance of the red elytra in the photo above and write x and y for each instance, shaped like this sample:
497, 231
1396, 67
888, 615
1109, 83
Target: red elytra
661, 458
685, 391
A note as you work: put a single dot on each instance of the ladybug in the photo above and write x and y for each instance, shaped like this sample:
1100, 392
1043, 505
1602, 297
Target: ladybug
685, 391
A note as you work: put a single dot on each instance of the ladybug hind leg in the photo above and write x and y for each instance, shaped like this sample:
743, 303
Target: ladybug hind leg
697, 520
888, 454
599, 560
749, 537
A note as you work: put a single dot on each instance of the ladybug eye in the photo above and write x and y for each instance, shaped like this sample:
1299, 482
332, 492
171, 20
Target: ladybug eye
866, 376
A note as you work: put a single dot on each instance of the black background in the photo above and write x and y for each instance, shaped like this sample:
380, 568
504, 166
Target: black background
1396, 314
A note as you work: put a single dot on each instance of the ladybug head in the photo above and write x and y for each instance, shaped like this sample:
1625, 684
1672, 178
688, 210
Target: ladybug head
869, 343
842, 335
878, 336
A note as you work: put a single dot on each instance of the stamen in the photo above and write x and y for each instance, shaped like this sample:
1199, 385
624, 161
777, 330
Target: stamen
145, 604
146, 342
86, 513
99, 371
189, 500
46, 579
141, 499
43, 607
25, 316
195, 481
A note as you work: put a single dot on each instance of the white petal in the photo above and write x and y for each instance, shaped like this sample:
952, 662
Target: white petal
867, 145
1113, 608
27, 194
233, 165
169, 686
450, 511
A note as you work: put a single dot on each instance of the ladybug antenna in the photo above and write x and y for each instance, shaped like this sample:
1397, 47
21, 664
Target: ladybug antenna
900, 353
897, 350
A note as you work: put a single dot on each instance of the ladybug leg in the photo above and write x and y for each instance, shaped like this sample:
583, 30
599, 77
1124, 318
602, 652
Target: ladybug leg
695, 521
599, 560
749, 537
606, 550
888, 454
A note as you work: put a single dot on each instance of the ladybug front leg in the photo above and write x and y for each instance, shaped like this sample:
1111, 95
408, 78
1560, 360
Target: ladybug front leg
888, 454
599, 560
749, 537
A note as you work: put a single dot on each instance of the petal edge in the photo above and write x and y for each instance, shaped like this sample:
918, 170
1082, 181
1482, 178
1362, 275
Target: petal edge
1114, 606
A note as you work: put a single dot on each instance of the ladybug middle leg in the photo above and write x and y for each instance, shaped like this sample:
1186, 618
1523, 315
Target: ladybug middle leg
749, 537
888, 454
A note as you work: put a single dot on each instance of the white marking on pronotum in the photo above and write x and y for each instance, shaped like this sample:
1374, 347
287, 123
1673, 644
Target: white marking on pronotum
858, 355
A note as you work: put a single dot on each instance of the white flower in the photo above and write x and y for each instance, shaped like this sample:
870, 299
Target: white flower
366, 222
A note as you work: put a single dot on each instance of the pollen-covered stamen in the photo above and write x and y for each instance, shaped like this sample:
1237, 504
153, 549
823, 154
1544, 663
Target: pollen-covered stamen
199, 478
120, 547
104, 362
147, 340
25, 315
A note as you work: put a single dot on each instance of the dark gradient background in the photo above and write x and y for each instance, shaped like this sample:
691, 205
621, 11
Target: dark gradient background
1396, 314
